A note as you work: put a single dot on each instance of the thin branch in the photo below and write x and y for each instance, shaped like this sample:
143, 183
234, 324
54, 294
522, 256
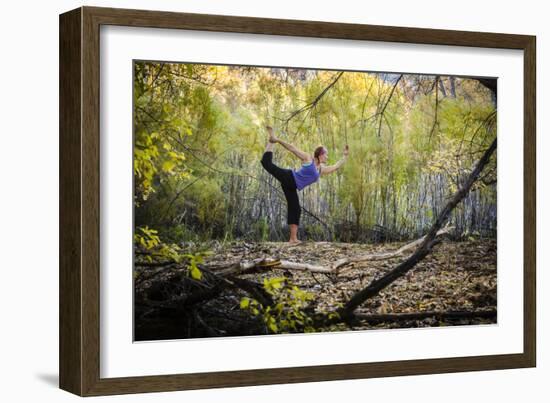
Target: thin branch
383, 110
437, 79
313, 103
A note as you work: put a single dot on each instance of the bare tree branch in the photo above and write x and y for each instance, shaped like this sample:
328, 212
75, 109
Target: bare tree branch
437, 79
425, 247
383, 110
313, 103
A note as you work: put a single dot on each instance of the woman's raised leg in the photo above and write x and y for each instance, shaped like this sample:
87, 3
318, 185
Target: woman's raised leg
267, 162
281, 174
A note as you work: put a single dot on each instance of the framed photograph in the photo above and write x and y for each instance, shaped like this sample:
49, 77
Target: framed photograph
248, 201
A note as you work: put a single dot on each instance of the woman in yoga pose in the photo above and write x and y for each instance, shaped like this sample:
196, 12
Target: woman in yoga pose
291, 181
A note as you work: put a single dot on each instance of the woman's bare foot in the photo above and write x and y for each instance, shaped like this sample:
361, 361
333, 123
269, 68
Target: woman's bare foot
293, 236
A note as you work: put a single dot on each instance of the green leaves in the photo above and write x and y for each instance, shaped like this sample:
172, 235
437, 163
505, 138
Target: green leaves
272, 324
168, 165
287, 314
193, 269
245, 303
155, 157
270, 285
146, 237
195, 272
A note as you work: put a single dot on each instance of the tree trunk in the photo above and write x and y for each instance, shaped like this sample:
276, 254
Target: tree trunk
425, 247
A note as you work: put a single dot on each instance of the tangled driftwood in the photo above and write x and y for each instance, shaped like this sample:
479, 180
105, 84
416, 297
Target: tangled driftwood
240, 267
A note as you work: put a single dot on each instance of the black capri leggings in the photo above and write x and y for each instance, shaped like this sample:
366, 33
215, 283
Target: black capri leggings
288, 184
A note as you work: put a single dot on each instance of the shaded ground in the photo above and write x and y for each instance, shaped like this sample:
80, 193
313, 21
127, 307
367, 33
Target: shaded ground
456, 276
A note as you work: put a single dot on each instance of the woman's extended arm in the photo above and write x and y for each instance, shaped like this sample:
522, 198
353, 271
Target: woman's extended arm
305, 157
332, 168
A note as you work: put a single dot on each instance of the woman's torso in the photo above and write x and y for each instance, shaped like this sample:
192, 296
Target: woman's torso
306, 175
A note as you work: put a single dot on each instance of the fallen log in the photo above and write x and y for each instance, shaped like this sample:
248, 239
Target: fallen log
240, 267
155, 264
245, 266
440, 315
387, 255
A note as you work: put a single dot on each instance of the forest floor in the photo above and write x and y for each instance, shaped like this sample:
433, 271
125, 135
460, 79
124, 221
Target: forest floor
454, 277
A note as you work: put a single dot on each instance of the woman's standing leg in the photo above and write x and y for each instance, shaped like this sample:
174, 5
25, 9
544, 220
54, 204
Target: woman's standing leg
286, 178
294, 212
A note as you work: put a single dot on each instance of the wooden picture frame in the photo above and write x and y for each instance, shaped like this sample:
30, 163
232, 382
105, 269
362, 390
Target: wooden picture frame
79, 347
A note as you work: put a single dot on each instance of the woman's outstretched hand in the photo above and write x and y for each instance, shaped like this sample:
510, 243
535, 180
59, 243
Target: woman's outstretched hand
346, 151
272, 138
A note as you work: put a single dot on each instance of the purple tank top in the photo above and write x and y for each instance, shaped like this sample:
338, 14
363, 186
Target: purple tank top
306, 175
